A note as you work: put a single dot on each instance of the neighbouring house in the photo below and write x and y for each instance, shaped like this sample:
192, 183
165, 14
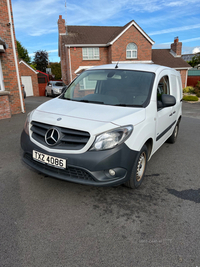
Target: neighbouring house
188, 57
81, 47
11, 95
29, 79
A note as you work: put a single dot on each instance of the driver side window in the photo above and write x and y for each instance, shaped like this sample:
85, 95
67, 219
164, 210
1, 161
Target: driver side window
163, 87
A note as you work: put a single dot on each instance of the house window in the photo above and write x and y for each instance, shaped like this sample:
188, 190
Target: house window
91, 53
1, 79
131, 50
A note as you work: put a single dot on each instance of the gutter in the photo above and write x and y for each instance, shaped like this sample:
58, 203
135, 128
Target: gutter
15, 57
70, 64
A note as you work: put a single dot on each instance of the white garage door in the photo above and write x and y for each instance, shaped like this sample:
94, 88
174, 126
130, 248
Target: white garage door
27, 82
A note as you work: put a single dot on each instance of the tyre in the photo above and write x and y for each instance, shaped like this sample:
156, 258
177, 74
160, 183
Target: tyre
173, 137
46, 94
52, 93
139, 168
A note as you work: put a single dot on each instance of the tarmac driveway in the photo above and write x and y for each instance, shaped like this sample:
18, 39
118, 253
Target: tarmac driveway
49, 222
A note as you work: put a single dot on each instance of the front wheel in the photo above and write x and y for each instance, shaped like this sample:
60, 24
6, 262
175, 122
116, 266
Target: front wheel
52, 93
139, 168
46, 94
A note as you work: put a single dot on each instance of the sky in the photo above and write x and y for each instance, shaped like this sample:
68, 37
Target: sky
36, 27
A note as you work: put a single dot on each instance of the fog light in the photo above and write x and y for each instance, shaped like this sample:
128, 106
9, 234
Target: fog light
112, 172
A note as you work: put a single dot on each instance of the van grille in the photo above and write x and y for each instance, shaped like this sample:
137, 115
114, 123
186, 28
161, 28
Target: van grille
70, 139
70, 172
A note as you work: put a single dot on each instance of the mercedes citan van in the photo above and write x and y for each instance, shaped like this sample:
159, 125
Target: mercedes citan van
106, 125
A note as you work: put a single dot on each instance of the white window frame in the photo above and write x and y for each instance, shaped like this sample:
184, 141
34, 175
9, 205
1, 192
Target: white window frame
133, 51
2, 88
86, 55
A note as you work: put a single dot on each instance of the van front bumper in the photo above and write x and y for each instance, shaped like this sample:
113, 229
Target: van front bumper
102, 168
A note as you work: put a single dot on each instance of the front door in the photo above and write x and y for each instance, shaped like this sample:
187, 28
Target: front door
165, 121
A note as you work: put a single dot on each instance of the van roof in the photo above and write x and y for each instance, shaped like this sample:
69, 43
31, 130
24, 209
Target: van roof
135, 66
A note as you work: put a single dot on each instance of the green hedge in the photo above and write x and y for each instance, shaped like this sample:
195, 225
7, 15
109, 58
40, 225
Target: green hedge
188, 89
190, 98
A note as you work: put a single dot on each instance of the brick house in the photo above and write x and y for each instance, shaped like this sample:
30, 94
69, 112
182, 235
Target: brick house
29, 79
81, 47
11, 96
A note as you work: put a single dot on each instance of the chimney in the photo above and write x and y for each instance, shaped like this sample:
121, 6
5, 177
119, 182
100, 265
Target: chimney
176, 47
61, 25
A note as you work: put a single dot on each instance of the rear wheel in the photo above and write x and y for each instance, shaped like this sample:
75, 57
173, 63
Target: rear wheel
139, 168
173, 137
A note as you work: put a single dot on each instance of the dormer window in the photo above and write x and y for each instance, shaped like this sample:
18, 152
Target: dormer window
131, 51
90, 53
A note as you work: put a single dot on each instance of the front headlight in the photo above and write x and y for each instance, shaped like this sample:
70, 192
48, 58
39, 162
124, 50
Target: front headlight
26, 124
56, 90
112, 138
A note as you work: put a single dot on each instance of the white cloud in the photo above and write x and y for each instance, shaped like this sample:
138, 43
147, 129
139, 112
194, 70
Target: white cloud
177, 29
196, 50
190, 40
36, 18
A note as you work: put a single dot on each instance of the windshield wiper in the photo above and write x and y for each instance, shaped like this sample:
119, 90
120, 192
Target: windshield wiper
85, 101
90, 101
129, 105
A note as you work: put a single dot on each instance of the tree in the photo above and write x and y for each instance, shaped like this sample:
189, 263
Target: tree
41, 60
195, 60
55, 70
23, 53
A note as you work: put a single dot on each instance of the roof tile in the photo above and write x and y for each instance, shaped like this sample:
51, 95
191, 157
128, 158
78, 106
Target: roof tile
165, 58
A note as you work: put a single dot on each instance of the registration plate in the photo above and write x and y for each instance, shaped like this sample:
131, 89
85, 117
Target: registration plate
50, 160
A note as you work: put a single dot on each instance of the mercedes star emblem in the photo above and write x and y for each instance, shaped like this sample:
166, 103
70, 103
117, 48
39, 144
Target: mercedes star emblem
52, 136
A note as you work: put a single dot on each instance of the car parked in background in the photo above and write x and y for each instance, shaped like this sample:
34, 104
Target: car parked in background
54, 88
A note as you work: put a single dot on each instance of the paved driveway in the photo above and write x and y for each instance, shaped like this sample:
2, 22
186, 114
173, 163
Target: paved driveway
49, 222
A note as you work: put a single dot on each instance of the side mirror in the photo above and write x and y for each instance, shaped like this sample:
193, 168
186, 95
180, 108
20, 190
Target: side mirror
168, 100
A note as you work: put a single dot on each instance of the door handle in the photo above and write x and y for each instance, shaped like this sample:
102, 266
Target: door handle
172, 113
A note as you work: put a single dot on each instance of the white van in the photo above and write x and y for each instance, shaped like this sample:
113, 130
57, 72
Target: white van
106, 125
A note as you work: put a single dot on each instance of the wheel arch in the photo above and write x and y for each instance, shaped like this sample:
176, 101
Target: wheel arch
149, 145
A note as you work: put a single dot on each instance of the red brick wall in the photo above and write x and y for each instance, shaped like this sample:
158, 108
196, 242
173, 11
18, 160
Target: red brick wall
64, 61
132, 35
26, 71
77, 59
7, 61
183, 77
4, 107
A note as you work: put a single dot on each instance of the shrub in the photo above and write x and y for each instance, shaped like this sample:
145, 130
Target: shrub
190, 98
198, 94
188, 89
198, 85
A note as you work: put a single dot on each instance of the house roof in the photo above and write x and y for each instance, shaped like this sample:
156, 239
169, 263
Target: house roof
28, 66
98, 35
165, 58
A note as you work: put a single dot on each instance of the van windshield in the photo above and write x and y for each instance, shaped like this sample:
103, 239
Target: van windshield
112, 87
